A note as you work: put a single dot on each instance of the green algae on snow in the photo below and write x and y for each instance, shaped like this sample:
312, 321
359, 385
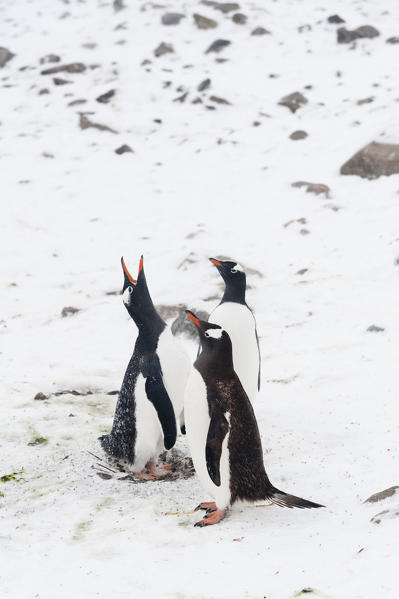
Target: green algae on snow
13, 476
38, 441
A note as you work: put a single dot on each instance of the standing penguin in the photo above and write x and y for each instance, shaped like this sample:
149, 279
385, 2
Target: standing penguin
152, 393
223, 433
234, 316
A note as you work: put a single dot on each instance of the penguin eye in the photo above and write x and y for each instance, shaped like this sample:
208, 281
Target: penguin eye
234, 270
207, 334
130, 289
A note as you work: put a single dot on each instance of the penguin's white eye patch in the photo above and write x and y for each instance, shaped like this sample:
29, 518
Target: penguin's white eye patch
214, 333
237, 268
126, 295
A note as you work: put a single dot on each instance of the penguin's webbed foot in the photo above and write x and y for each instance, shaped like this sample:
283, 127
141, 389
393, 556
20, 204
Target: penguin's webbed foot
208, 506
158, 472
212, 518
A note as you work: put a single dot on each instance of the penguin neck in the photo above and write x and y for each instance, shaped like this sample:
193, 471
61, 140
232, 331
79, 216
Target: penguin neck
211, 364
150, 325
234, 294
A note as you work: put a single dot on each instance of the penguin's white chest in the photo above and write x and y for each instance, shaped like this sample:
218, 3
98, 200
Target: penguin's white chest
239, 323
175, 365
197, 421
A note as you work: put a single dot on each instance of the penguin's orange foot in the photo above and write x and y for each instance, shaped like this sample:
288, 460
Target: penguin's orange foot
208, 506
144, 476
167, 467
158, 472
212, 518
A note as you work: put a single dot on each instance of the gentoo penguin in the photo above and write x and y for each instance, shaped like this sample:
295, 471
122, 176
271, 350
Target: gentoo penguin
234, 316
223, 433
152, 393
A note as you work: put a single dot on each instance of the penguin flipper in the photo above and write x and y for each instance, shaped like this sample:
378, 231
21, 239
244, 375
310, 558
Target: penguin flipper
158, 396
257, 341
218, 429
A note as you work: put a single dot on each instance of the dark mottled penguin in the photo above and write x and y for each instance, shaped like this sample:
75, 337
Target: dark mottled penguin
152, 393
236, 317
223, 433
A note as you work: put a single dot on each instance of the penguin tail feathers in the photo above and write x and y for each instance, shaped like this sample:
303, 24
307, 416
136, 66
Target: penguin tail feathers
284, 500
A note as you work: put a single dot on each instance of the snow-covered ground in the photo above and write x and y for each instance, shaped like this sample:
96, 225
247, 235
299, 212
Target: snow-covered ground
200, 182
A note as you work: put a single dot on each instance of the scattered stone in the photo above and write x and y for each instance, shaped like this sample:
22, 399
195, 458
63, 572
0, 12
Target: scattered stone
260, 31
181, 98
197, 101
104, 475
50, 58
302, 271
77, 102
85, 123
218, 46
365, 101
375, 329
393, 40
385, 515
5, 56
304, 231
218, 100
41, 396
162, 49
301, 221
172, 18
224, 7
303, 28
75, 67
44, 91
105, 98
293, 101
298, 135
123, 149
239, 18
335, 19
69, 311
59, 81
182, 325
204, 22
373, 161
118, 5
205, 84
345, 36
89, 45
382, 495
316, 188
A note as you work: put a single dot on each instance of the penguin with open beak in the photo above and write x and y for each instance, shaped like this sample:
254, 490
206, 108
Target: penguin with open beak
235, 316
152, 394
223, 433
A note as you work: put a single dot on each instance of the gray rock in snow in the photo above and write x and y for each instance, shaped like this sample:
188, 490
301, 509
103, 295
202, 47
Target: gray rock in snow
85, 123
75, 67
123, 149
345, 36
335, 19
293, 101
204, 22
374, 329
239, 18
162, 49
204, 85
183, 325
69, 311
105, 98
316, 188
393, 40
381, 495
172, 18
373, 161
224, 7
218, 46
50, 58
298, 135
260, 31
5, 56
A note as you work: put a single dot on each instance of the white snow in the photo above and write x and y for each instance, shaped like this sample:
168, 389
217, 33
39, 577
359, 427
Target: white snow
200, 183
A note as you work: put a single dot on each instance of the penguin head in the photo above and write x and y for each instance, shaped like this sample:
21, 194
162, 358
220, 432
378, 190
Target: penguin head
212, 336
136, 296
234, 277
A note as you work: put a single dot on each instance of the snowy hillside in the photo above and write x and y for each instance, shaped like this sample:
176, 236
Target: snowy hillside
210, 173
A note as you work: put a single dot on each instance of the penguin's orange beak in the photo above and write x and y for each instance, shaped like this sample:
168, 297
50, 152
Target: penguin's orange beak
127, 273
193, 318
215, 262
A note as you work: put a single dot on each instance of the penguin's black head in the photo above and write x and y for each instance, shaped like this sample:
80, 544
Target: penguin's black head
136, 297
235, 279
212, 336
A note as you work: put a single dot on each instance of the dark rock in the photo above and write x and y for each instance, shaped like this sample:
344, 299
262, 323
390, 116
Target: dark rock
393, 40
260, 31
59, 81
104, 475
293, 101
224, 7
69, 311
385, 515
123, 149
239, 18
345, 36
163, 49
5, 56
316, 188
204, 85
303, 28
218, 46
298, 135
75, 67
172, 18
40, 396
365, 101
105, 98
373, 161
44, 91
118, 5
302, 271
183, 325
335, 19
374, 329
197, 101
181, 98
50, 58
204, 22
218, 100
382, 495
77, 102
85, 123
